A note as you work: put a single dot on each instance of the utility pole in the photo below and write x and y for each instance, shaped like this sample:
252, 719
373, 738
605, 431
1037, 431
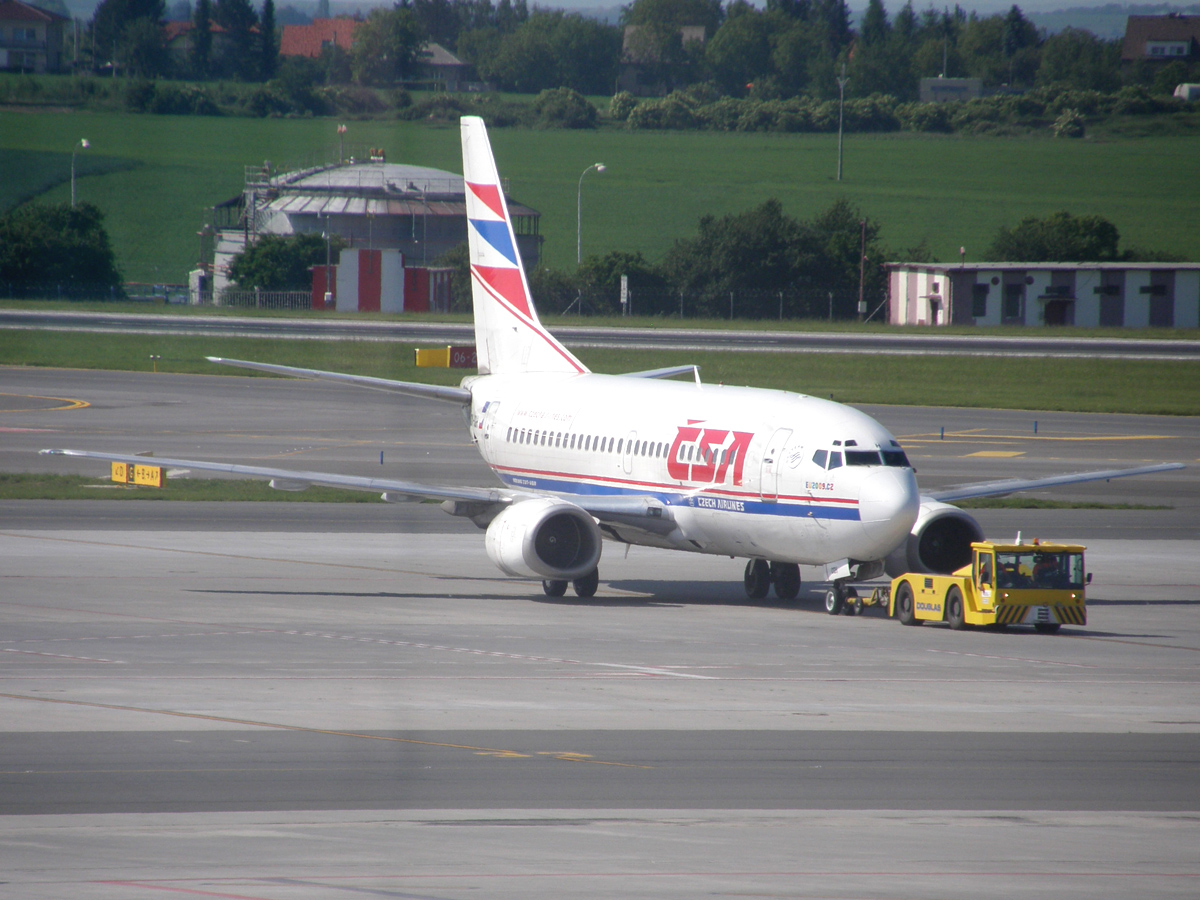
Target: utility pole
862, 263
841, 109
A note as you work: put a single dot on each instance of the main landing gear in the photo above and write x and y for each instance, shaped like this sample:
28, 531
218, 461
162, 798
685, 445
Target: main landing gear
584, 587
762, 575
841, 599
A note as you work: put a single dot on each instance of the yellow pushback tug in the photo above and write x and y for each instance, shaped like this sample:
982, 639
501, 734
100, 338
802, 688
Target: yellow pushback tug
1005, 584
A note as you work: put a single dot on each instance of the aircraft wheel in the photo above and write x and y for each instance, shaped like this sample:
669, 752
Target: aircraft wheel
954, 609
554, 588
786, 577
905, 607
1046, 627
757, 579
835, 600
586, 586
857, 606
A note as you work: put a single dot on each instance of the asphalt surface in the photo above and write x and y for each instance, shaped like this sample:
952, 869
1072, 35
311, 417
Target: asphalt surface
925, 343
307, 700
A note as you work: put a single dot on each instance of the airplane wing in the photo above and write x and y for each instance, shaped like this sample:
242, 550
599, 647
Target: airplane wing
291, 480
1010, 486
412, 388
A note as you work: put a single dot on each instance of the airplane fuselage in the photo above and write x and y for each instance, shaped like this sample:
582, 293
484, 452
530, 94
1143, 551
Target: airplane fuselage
746, 472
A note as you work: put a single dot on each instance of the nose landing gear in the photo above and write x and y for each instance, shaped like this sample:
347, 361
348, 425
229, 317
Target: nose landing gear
841, 599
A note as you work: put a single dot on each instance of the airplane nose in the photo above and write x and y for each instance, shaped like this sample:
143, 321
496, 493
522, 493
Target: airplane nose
888, 505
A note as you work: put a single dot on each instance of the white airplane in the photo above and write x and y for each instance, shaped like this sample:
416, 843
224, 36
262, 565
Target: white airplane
778, 478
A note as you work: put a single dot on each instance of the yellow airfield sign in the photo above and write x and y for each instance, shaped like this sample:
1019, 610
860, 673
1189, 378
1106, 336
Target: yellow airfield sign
149, 476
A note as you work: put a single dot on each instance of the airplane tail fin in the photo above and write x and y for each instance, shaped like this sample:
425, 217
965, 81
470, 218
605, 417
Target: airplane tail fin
508, 335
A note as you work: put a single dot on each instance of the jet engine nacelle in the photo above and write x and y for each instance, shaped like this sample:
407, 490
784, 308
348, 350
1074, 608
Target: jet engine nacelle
544, 538
939, 543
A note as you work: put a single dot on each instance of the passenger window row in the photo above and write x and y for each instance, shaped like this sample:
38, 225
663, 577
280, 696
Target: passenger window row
586, 442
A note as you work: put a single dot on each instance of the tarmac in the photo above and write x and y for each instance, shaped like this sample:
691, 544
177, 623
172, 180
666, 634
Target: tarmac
286, 701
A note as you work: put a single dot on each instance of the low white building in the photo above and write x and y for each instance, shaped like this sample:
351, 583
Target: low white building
1090, 295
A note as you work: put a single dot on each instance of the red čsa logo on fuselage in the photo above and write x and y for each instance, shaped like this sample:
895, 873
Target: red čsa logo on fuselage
707, 454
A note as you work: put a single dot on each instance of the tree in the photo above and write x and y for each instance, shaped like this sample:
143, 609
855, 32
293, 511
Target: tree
875, 28
281, 262
755, 250
599, 279
1079, 59
111, 17
46, 248
740, 51
524, 61
141, 50
761, 253
201, 50
587, 52
267, 42
1060, 237
386, 46
239, 20
657, 43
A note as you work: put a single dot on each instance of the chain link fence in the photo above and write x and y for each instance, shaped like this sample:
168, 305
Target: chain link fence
807, 302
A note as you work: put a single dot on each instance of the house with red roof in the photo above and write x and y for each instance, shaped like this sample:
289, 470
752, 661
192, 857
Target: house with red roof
310, 40
31, 39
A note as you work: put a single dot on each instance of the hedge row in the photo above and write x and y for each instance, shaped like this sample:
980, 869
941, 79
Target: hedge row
881, 112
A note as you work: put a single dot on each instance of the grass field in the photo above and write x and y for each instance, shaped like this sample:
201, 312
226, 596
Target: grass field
950, 191
993, 382
27, 174
79, 487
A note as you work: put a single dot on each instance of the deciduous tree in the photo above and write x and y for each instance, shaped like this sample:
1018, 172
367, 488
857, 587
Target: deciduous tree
47, 248
1060, 237
281, 262
386, 46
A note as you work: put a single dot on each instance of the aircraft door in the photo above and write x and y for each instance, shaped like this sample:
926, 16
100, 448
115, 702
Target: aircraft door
627, 452
772, 463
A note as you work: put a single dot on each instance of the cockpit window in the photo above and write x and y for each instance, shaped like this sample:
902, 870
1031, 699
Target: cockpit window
862, 458
896, 458
819, 458
835, 460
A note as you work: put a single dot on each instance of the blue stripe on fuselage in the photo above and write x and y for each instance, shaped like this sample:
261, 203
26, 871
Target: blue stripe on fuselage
694, 501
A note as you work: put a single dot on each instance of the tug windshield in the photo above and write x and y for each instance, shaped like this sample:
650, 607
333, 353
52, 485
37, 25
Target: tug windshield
1039, 569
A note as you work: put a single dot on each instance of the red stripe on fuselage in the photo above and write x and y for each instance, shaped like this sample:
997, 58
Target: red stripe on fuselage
665, 488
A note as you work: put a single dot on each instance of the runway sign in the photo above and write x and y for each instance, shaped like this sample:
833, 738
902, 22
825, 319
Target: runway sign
149, 476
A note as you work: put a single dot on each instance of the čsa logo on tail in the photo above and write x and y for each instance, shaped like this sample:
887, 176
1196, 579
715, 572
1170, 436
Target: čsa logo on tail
708, 455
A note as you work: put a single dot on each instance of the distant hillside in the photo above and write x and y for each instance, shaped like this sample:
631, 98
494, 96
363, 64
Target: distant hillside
1103, 21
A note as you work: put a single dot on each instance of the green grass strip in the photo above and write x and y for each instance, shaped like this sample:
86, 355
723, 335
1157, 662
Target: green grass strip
79, 487
1076, 385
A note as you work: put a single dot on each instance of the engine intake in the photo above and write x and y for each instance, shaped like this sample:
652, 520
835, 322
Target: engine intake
544, 538
940, 541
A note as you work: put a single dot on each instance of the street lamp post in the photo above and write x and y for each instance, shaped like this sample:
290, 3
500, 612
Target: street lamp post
599, 167
841, 83
83, 144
